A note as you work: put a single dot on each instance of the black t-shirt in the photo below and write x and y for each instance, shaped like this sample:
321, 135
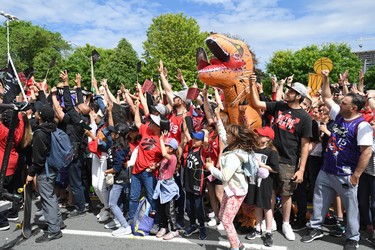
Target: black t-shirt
290, 125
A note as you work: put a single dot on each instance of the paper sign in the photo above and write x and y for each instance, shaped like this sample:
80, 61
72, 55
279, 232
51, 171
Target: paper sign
192, 93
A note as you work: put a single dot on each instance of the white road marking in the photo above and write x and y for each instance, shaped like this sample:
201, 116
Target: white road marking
176, 240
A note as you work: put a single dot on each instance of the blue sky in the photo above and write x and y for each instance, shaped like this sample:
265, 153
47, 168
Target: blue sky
266, 25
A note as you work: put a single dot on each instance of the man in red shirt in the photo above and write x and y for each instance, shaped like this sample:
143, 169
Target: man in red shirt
149, 154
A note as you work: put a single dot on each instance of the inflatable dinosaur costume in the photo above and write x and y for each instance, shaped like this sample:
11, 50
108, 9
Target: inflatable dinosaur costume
229, 69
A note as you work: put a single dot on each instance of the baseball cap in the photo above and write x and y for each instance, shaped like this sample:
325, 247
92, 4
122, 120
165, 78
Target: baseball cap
198, 135
182, 94
171, 142
299, 88
121, 128
155, 119
266, 131
160, 108
46, 112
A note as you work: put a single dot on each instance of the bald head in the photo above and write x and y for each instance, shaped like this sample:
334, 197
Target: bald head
84, 108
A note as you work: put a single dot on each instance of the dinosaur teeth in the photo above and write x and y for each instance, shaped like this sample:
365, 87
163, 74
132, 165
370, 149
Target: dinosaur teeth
211, 69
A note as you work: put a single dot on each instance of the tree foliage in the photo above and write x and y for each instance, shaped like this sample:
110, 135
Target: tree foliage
174, 39
370, 78
301, 62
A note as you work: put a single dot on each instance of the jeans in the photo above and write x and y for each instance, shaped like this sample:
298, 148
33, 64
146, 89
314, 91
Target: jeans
147, 180
195, 209
51, 210
75, 179
326, 187
114, 195
366, 198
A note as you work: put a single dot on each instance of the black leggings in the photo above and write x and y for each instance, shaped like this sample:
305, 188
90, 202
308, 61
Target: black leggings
167, 214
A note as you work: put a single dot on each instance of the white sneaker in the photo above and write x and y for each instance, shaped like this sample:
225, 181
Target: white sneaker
273, 227
122, 231
220, 227
104, 217
213, 222
112, 224
102, 211
42, 218
288, 232
211, 215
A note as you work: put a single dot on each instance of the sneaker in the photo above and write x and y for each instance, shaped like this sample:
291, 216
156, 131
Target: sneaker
288, 232
351, 245
211, 215
192, 229
171, 235
48, 237
202, 233
5, 226
330, 221
45, 226
104, 217
254, 234
213, 222
220, 227
13, 217
122, 231
268, 240
273, 227
338, 230
161, 233
313, 234
298, 225
112, 224
76, 213
102, 211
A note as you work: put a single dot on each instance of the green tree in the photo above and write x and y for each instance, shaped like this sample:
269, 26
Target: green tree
370, 78
301, 62
120, 67
31, 45
174, 39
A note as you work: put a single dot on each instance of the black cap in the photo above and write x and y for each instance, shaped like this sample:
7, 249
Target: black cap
46, 112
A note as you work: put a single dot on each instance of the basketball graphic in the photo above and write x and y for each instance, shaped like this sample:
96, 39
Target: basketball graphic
323, 63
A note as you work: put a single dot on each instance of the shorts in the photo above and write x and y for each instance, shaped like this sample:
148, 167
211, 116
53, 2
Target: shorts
286, 185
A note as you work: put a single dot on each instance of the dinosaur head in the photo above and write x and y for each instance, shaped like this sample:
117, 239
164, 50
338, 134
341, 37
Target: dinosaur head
231, 61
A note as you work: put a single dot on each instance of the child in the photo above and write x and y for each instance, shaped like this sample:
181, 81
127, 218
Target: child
166, 190
194, 183
240, 143
267, 157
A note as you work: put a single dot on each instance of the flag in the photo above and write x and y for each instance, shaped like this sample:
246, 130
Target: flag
95, 56
52, 62
148, 87
139, 66
192, 93
10, 82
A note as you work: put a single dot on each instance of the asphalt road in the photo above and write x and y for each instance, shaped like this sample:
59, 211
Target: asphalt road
86, 233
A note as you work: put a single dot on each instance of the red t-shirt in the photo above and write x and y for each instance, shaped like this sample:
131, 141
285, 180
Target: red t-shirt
149, 150
213, 148
167, 168
175, 125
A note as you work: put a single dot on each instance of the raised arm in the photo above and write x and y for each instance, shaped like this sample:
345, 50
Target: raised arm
361, 81
143, 100
56, 105
326, 91
166, 86
206, 106
254, 93
163, 148
137, 116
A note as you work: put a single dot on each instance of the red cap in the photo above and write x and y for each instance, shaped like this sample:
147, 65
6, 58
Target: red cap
266, 131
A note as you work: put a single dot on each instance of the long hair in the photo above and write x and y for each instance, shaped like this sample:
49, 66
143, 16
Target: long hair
27, 132
243, 138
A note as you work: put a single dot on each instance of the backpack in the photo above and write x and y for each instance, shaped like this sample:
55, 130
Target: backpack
61, 153
142, 222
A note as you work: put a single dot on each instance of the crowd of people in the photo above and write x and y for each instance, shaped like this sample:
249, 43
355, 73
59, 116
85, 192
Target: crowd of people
315, 146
